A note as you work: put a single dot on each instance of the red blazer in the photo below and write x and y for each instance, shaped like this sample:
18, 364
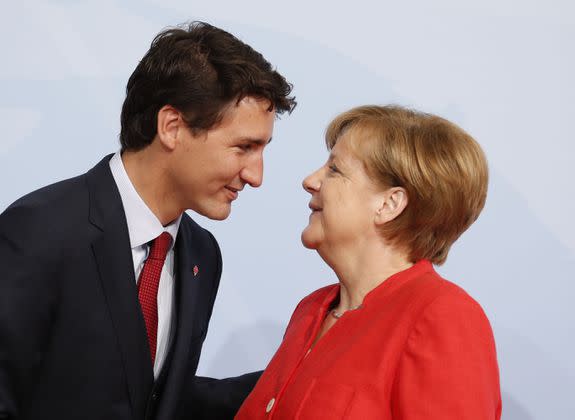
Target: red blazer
419, 348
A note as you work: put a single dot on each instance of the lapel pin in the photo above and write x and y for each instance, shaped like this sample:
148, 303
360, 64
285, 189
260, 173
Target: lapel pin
196, 270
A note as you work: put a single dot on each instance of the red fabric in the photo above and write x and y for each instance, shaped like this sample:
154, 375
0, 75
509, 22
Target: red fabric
148, 286
420, 348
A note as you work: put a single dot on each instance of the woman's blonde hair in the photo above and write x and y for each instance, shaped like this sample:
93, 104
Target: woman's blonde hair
442, 168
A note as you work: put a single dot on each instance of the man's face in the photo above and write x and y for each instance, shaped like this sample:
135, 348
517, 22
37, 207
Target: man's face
209, 170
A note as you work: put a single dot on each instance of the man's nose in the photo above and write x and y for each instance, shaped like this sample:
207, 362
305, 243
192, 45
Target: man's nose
253, 172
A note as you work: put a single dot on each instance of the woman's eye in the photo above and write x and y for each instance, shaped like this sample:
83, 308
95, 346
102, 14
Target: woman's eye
333, 168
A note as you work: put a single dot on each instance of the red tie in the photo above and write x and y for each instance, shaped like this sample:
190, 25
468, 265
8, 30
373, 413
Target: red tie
148, 286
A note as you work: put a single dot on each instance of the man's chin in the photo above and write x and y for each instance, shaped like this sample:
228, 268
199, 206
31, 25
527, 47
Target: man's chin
223, 215
220, 213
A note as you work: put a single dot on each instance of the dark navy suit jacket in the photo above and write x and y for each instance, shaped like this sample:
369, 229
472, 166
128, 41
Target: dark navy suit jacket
72, 336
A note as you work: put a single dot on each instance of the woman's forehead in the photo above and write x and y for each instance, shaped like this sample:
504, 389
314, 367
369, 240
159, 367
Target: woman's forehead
348, 145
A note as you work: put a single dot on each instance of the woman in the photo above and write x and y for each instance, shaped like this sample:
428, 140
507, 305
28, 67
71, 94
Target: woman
392, 340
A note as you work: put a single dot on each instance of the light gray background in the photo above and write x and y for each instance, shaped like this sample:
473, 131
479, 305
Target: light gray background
501, 69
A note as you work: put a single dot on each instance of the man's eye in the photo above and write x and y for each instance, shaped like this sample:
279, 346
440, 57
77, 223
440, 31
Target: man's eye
333, 168
245, 147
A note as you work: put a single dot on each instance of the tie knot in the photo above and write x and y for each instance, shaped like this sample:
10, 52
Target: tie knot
160, 246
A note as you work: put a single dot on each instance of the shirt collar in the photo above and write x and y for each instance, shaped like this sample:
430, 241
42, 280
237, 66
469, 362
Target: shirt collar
143, 225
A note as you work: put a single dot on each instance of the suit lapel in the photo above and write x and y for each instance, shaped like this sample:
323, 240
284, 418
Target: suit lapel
190, 289
193, 300
115, 267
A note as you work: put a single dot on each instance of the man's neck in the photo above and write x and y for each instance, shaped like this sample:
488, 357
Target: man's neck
148, 176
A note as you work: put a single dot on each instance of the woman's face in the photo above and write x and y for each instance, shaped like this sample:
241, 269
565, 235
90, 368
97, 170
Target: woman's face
344, 202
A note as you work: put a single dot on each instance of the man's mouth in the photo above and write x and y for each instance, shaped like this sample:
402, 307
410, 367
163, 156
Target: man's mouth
233, 192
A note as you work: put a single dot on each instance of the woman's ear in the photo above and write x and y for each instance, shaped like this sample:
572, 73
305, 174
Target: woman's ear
394, 201
169, 122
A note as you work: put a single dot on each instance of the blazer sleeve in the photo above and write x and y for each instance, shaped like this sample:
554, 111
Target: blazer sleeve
27, 299
448, 369
219, 399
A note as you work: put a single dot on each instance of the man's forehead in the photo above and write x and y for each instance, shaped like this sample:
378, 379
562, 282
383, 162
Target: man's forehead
248, 105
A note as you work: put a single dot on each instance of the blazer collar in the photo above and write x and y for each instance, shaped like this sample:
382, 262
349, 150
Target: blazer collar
114, 261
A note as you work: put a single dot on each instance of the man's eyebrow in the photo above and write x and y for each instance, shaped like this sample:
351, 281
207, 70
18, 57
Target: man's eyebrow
259, 142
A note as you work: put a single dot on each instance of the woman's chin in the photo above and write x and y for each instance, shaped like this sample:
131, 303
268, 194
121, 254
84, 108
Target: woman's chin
309, 240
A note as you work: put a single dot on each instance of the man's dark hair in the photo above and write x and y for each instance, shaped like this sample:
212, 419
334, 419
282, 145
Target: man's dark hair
198, 70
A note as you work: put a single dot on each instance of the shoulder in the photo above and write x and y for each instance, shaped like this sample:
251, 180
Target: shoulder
448, 311
48, 197
426, 303
428, 290
49, 212
444, 295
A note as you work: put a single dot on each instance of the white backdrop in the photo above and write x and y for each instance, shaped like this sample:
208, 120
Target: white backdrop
502, 69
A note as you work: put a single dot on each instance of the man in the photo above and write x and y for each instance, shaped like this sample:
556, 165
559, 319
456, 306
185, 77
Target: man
107, 286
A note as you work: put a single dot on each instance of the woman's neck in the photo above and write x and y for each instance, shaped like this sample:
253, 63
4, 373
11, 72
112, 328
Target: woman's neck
359, 274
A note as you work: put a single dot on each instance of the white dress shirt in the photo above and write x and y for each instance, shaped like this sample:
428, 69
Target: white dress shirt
143, 227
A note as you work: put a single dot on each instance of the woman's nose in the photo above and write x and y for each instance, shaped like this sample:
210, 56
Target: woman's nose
312, 182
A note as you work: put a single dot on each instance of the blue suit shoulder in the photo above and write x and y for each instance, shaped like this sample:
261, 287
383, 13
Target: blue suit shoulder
49, 214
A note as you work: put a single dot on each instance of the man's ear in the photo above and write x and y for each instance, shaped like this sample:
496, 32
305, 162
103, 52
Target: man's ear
169, 124
394, 201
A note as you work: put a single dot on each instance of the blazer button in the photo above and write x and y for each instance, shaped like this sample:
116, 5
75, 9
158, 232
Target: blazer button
154, 396
270, 405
